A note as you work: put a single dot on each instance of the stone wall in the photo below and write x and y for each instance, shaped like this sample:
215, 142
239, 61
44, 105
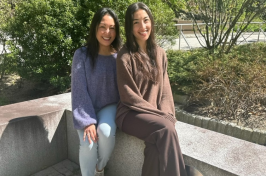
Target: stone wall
37, 134
231, 129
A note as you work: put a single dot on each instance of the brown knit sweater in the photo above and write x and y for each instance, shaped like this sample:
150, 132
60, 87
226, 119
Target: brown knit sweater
141, 94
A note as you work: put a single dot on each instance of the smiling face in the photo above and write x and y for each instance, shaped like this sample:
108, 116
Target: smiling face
106, 31
141, 27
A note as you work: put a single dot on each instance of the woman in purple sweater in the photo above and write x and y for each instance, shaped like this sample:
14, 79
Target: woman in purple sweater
95, 93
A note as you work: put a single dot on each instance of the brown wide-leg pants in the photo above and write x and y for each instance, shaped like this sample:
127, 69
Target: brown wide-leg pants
162, 152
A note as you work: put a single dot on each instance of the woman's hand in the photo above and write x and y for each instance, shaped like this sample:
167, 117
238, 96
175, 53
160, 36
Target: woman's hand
90, 132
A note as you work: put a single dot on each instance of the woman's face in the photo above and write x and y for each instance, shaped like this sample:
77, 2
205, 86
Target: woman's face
106, 31
141, 26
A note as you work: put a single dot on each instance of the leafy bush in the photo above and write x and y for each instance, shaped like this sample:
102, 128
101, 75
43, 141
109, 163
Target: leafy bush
44, 36
7, 64
183, 67
232, 86
61, 83
3, 101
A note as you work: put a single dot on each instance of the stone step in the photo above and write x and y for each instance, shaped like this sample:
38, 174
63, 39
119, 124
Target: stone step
64, 168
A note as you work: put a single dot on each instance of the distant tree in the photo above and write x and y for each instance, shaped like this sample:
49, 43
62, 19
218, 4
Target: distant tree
220, 17
166, 32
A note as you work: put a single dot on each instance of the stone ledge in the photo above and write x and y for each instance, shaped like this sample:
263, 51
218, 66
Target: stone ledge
33, 135
252, 135
231, 129
212, 153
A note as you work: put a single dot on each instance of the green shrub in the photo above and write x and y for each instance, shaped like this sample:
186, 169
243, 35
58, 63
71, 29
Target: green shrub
182, 68
44, 36
233, 85
3, 101
61, 83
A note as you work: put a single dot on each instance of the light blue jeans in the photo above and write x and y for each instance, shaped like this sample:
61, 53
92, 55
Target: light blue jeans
100, 152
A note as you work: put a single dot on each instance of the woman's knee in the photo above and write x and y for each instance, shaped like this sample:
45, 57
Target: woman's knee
169, 127
106, 130
106, 120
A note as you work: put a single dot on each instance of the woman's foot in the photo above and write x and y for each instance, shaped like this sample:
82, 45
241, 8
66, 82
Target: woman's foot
99, 172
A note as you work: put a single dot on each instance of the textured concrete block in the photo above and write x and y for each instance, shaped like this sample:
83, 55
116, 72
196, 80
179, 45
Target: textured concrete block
179, 116
246, 134
127, 157
191, 119
198, 121
222, 127
49, 171
215, 154
212, 153
255, 136
73, 167
212, 124
237, 131
66, 168
185, 118
205, 122
262, 140
230, 129
72, 138
63, 168
33, 135
59, 167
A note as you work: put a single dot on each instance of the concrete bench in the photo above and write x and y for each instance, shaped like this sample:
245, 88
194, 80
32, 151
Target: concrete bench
37, 134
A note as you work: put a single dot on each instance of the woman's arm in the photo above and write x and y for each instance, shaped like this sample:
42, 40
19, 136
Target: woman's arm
82, 107
128, 90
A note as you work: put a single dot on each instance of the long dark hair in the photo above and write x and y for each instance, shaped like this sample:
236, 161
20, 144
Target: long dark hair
92, 42
148, 65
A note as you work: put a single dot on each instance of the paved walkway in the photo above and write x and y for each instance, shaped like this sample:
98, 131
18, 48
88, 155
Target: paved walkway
192, 42
64, 168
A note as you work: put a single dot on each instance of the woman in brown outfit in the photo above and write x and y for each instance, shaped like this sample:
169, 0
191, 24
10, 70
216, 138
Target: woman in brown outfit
146, 108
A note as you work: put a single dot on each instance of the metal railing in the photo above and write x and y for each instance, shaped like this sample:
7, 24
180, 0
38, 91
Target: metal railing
261, 31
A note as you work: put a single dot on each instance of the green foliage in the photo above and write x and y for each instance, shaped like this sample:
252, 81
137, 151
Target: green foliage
3, 101
233, 84
255, 27
182, 67
45, 35
7, 62
165, 30
61, 83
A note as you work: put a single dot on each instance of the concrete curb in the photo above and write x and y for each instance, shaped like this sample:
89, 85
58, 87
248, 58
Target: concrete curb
231, 129
252, 135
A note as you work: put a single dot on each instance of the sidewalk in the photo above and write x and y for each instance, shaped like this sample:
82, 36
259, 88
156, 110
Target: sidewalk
193, 43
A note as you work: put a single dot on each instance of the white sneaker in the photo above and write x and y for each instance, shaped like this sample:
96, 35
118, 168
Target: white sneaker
99, 173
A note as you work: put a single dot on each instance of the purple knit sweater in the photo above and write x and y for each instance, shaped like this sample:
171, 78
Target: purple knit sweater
92, 88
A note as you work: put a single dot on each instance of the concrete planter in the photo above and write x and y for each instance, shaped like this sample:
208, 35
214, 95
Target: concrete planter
231, 129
